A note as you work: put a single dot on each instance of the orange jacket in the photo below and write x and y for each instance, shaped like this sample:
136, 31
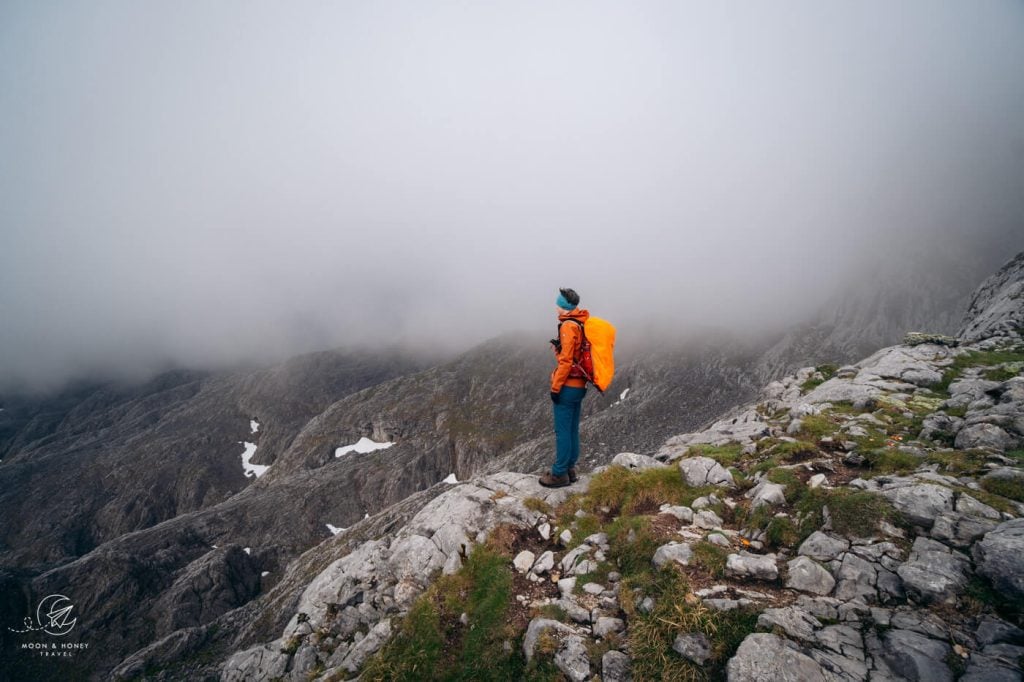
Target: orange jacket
570, 336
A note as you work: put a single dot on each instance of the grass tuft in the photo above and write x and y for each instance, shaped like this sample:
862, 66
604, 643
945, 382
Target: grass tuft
432, 644
1010, 488
620, 489
677, 611
726, 455
827, 372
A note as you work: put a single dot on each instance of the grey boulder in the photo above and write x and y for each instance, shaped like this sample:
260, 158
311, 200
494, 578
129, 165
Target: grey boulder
700, 471
807, 575
762, 657
999, 556
934, 573
693, 646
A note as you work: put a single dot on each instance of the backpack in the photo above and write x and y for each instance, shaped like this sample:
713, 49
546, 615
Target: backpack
596, 360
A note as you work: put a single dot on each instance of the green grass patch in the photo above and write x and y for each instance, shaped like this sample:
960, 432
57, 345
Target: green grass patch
755, 519
742, 481
431, 643
816, 427
891, 460
538, 505
631, 545
1010, 488
795, 488
640, 492
1001, 373
997, 502
726, 455
1017, 456
827, 371
956, 411
784, 451
766, 464
676, 611
987, 358
853, 512
710, 557
844, 407
782, 531
958, 462
554, 612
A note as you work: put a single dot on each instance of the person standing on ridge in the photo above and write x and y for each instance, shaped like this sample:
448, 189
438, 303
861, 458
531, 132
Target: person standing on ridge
568, 387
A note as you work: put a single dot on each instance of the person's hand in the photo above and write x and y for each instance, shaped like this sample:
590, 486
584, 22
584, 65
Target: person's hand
554, 397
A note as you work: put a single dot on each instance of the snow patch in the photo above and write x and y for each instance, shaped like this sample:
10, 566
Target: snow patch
254, 425
334, 529
264, 574
247, 550
451, 479
362, 446
367, 515
252, 470
622, 396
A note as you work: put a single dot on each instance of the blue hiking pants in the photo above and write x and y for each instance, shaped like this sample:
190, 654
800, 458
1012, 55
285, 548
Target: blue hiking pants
567, 428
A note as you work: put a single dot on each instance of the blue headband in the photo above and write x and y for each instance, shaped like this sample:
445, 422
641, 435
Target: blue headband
564, 304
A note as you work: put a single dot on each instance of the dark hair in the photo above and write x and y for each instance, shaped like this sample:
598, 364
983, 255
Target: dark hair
571, 296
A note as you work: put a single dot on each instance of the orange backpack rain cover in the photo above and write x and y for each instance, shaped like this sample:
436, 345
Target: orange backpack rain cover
601, 335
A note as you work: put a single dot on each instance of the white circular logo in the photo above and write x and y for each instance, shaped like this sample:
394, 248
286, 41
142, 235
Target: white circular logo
54, 615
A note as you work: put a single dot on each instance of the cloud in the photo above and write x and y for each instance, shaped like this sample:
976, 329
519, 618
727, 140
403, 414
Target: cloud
208, 184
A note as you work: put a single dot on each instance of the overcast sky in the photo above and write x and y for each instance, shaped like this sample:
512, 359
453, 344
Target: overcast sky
208, 182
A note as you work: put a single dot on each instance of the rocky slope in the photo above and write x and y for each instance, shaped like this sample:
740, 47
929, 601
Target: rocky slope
168, 548
864, 525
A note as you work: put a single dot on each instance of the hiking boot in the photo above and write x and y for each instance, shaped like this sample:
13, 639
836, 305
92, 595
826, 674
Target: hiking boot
550, 481
572, 475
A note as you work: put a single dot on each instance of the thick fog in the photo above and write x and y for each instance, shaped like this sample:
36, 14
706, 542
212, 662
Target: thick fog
208, 183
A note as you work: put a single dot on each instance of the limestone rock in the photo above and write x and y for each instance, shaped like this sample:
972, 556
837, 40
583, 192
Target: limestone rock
999, 556
984, 436
913, 656
753, 566
684, 514
524, 561
792, 620
545, 562
856, 578
960, 530
572, 659
822, 546
678, 552
700, 471
763, 657
996, 307
367, 646
922, 503
933, 573
766, 492
636, 462
616, 667
605, 626
259, 662
707, 519
536, 628
807, 575
693, 646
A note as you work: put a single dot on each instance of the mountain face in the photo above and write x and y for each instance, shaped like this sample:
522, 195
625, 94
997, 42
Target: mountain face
898, 292
133, 501
868, 526
905, 564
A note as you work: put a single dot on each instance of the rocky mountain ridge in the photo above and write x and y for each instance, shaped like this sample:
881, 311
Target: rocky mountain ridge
180, 561
855, 522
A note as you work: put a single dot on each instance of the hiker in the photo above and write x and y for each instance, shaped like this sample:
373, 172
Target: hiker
568, 387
